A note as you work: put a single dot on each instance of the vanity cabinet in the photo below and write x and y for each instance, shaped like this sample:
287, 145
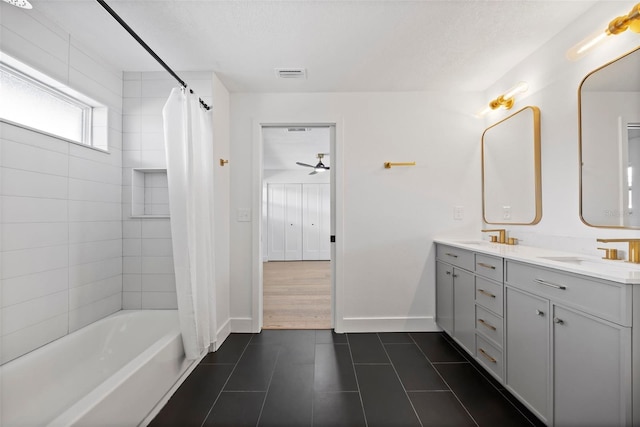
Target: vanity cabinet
566, 359
469, 287
455, 291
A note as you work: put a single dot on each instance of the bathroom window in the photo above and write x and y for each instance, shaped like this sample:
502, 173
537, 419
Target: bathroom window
29, 102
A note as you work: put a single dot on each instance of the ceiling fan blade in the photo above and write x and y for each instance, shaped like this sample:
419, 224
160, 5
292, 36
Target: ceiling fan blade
305, 165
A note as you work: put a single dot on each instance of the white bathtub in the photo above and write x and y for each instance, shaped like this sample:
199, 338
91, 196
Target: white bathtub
113, 372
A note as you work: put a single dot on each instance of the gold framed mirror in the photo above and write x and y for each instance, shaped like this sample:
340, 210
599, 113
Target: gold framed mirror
511, 177
609, 144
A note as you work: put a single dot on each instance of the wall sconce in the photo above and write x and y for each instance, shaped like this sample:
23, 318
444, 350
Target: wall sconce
505, 100
619, 25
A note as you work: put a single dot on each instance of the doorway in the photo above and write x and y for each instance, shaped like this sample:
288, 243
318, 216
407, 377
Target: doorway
296, 227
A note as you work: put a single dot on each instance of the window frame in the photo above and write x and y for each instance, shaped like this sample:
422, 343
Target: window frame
86, 109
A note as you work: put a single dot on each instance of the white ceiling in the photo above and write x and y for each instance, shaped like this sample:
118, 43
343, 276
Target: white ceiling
356, 45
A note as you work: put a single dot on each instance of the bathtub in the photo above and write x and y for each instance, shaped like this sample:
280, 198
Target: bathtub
117, 371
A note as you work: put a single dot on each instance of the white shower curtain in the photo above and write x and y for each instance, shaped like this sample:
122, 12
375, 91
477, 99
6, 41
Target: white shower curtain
188, 142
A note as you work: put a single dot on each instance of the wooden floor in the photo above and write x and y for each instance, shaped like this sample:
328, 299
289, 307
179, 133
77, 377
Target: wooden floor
297, 295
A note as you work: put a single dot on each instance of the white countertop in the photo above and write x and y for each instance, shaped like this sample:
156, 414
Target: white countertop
617, 271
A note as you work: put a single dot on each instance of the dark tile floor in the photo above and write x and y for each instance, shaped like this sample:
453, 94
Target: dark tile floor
319, 378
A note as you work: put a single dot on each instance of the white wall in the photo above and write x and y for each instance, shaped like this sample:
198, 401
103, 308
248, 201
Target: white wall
61, 236
553, 86
222, 175
386, 217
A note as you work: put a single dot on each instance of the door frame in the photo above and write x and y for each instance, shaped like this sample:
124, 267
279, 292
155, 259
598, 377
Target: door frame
336, 150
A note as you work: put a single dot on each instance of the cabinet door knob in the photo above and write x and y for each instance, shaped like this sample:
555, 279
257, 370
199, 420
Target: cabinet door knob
540, 312
455, 275
558, 321
448, 273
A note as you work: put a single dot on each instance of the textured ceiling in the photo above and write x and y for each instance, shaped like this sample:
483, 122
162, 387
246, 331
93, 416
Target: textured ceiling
344, 45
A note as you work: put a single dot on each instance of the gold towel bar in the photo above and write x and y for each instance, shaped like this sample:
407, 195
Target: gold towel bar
387, 165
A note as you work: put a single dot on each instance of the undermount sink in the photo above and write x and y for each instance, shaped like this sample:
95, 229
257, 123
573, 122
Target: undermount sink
591, 262
477, 243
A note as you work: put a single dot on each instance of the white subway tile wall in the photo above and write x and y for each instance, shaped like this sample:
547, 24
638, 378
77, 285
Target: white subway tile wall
148, 276
60, 204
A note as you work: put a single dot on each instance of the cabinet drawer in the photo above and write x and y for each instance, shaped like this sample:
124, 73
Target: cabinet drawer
489, 356
607, 300
489, 266
489, 295
489, 325
458, 257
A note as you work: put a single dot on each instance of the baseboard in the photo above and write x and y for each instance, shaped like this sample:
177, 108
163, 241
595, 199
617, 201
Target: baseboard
389, 324
241, 324
222, 334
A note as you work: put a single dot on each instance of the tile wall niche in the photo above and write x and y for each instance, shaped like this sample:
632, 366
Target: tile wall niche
148, 275
60, 203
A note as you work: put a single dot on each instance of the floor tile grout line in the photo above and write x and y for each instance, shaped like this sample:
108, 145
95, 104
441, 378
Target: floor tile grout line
400, 381
446, 383
355, 375
490, 380
266, 393
235, 365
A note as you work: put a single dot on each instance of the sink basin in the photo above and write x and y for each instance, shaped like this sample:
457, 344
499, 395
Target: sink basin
477, 243
591, 262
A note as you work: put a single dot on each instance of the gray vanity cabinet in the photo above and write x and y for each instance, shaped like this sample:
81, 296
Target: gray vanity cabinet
592, 370
527, 348
455, 291
566, 362
444, 296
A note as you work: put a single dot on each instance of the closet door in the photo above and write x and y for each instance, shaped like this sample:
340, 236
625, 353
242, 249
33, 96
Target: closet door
316, 222
275, 221
293, 222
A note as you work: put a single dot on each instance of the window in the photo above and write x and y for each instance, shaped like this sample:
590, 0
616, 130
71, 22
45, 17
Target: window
29, 102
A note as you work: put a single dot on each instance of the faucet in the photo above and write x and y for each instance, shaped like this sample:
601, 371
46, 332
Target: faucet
634, 248
502, 234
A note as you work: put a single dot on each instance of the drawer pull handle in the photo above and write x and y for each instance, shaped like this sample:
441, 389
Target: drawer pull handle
488, 325
486, 355
558, 321
489, 294
551, 285
482, 264
540, 313
451, 255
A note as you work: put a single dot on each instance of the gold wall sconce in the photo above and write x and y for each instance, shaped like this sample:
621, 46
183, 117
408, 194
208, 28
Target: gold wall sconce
619, 25
506, 100
387, 165
223, 162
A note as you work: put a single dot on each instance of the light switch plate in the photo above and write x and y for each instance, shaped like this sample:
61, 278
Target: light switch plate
458, 213
243, 215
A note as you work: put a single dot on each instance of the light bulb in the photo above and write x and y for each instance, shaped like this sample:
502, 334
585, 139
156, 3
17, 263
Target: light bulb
519, 88
580, 49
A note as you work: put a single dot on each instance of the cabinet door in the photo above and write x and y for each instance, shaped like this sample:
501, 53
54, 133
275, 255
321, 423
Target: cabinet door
293, 222
527, 345
316, 222
444, 296
464, 309
591, 370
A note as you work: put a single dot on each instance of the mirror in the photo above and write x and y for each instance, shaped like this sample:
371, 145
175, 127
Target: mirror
511, 182
609, 118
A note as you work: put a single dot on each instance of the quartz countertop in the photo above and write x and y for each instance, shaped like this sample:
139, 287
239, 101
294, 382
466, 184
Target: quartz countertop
614, 270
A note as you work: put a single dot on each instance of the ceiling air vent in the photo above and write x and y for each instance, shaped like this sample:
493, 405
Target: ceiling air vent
291, 73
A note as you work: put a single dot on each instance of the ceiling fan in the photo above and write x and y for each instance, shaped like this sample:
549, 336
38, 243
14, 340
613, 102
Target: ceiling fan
320, 167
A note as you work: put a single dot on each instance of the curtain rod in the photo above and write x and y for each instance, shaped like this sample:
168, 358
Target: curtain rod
147, 48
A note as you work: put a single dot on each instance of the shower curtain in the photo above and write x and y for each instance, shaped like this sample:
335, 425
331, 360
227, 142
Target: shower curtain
188, 142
